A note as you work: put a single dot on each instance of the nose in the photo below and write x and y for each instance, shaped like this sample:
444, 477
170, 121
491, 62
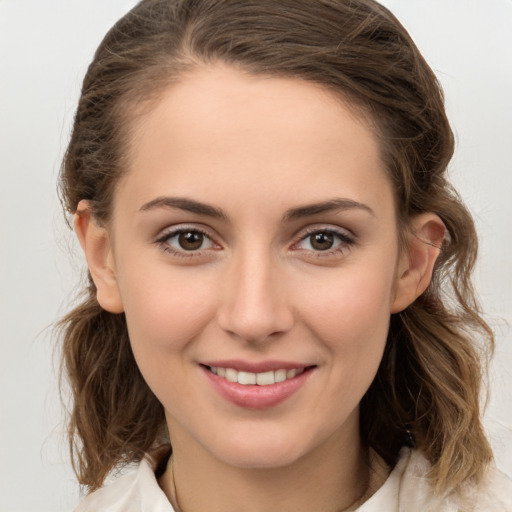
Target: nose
255, 305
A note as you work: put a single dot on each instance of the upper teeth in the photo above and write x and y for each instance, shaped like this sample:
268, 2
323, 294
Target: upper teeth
261, 379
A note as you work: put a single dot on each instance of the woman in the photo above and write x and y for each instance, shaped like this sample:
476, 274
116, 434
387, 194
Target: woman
279, 270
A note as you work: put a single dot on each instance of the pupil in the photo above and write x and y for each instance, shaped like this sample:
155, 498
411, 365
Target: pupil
191, 240
322, 241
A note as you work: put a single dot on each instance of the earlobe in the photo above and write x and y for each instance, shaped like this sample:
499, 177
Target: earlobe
95, 242
416, 266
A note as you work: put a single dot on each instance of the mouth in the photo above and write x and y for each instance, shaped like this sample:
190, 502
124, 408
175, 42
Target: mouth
267, 378
268, 385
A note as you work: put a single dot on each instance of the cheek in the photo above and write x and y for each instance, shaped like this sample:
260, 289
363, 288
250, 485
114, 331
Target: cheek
164, 321
165, 310
350, 313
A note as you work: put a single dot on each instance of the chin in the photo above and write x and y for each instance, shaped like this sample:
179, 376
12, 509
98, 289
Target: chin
262, 450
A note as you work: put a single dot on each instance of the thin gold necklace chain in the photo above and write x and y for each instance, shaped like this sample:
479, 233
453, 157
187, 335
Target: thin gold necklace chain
174, 495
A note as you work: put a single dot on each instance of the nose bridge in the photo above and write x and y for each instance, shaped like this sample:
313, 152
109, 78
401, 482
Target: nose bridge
254, 303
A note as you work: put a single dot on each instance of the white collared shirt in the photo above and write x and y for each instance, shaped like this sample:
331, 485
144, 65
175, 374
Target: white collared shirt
407, 489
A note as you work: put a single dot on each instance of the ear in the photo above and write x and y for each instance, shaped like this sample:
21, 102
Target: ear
95, 242
414, 272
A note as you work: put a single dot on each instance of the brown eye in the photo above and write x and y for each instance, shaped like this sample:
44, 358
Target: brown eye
321, 241
190, 240
185, 241
328, 241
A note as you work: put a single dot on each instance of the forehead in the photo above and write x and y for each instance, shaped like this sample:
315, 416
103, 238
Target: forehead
219, 127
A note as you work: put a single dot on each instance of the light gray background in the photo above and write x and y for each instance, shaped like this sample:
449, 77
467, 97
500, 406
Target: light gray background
45, 47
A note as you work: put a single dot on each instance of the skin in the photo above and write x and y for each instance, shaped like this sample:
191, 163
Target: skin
258, 150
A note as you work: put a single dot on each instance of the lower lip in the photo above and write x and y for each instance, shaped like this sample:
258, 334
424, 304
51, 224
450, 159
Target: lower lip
257, 397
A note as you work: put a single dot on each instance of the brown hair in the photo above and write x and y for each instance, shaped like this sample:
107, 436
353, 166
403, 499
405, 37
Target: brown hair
427, 388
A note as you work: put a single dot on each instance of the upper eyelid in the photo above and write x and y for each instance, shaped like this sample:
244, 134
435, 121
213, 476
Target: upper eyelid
337, 230
180, 228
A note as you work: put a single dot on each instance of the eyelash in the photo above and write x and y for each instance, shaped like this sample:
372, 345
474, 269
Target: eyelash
163, 241
345, 242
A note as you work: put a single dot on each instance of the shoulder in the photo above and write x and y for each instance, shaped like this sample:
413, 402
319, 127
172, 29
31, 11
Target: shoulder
494, 494
136, 490
408, 488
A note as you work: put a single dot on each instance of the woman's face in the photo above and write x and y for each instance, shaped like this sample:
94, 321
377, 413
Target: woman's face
254, 239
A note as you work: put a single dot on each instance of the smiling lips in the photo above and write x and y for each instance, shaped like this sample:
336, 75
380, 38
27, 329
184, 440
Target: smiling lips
256, 389
259, 379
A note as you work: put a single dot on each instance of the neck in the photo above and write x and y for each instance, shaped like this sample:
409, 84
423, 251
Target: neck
330, 479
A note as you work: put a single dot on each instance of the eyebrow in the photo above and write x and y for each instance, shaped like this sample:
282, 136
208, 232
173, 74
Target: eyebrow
199, 208
188, 205
324, 207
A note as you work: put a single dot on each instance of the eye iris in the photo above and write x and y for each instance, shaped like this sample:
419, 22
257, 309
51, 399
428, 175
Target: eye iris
322, 241
190, 240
